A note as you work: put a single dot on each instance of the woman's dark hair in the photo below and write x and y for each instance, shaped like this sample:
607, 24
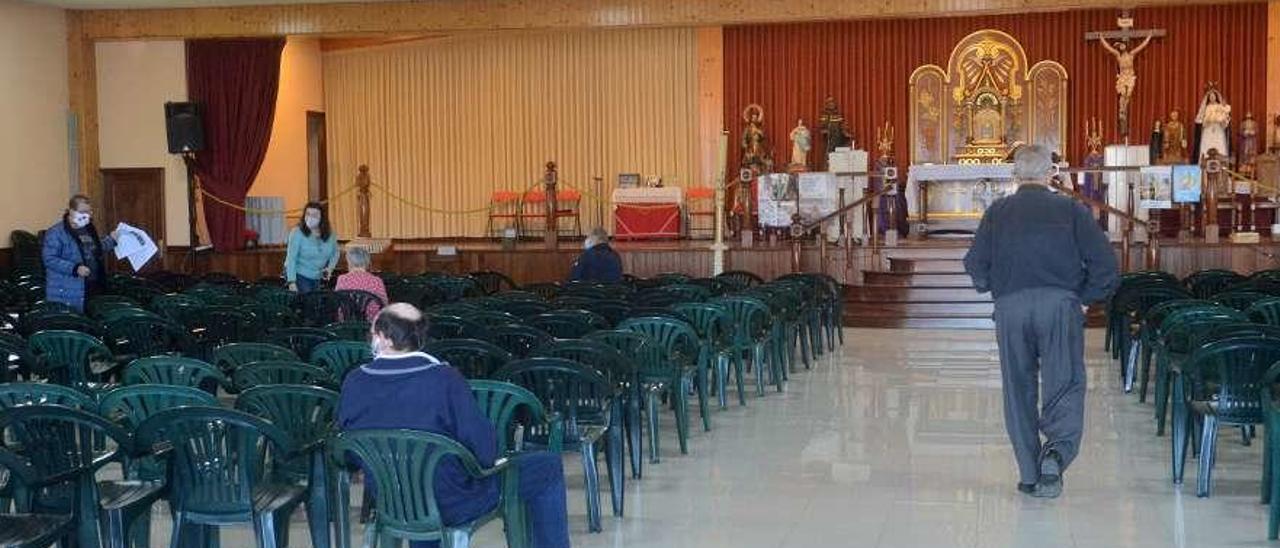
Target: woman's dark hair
325, 229
405, 335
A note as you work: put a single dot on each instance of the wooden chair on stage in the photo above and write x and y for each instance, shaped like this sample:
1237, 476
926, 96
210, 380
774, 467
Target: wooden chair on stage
503, 205
533, 210
700, 202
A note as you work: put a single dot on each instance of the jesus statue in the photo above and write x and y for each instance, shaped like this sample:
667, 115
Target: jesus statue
1126, 78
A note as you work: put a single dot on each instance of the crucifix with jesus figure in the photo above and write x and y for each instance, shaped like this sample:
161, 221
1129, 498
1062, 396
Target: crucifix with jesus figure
1117, 43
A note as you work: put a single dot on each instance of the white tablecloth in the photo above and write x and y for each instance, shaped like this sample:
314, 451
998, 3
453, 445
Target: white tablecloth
924, 173
647, 195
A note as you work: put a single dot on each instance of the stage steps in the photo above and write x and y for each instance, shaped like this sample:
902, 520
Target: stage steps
924, 287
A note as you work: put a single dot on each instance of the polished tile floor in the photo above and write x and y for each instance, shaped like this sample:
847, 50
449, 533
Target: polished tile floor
897, 441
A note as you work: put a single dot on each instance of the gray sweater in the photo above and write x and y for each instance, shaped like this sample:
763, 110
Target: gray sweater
1036, 238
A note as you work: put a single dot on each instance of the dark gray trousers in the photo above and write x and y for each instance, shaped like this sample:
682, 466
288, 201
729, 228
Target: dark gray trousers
1041, 337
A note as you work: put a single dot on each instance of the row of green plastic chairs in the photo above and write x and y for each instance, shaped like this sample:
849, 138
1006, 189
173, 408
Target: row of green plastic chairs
1217, 362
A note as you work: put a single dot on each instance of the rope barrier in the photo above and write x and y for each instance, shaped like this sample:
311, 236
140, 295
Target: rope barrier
256, 211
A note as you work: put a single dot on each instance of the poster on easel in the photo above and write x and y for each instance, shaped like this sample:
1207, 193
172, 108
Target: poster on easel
776, 199
1155, 191
1186, 184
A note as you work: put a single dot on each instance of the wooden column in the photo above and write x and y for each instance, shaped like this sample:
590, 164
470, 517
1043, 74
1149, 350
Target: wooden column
82, 82
1273, 66
551, 232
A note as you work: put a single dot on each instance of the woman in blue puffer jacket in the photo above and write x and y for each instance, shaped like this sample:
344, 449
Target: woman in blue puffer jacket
73, 255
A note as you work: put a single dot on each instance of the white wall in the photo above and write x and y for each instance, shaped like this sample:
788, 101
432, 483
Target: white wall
135, 79
36, 180
284, 169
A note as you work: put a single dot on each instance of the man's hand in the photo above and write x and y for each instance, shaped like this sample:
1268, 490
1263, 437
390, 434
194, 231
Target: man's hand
327, 273
83, 271
1084, 309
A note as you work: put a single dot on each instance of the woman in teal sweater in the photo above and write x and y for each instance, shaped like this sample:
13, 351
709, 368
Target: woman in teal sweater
313, 250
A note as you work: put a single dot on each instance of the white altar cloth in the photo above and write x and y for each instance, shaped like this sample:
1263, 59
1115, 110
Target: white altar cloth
925, 173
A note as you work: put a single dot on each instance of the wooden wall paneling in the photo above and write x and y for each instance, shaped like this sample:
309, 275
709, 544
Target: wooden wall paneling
488, 15
82, 84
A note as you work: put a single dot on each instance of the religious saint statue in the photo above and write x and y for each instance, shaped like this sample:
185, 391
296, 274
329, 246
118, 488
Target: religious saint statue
801, 144
1156, 146
1275, 134
1175, 140
1126, 78
1248, 140
832, 122
1213, 120
755, 145
362, 201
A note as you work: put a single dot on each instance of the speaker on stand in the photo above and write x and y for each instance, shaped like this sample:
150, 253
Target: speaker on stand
184, 124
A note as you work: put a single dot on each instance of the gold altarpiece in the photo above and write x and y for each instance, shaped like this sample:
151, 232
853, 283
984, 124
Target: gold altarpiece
986, 100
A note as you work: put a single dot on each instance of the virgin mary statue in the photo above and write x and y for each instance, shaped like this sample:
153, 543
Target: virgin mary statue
1212, 124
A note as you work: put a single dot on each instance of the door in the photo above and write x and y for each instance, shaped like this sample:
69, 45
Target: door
317, 158
134, 196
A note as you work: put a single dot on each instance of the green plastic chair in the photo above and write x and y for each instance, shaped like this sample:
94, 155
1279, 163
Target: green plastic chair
1240, 300
443, 327
475, 359
22, 394
301, 340
278, 372
306, 414
1207, 283
58, 321
522, 308
513, 411
1265, 311
713, 325
750, 319
493, 283
519, 339
223, 483
682, 347
1145, 342
563, 326
230, 357
339, 357
403, 465
16, 359
65, 449
214, 326
357, 331
585, 401
659, 377
1271, 451
139, 336
73, 358
271, 315
622, 372
739, 280
175, 371
99, 304
491, 318
1177, 342
25, 529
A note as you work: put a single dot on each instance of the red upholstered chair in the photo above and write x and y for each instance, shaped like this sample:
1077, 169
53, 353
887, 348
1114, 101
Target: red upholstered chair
503, 205
700, 203
533, 211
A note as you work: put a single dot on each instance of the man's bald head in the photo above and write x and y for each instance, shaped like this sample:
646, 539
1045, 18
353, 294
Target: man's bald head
403, 326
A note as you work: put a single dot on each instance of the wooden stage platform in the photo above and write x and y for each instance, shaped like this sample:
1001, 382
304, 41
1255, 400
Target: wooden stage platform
531, 262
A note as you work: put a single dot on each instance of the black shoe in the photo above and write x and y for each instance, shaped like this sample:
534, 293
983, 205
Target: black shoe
1026, 488
1050, 484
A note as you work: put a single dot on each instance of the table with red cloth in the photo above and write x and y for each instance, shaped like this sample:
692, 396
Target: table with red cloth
647, 213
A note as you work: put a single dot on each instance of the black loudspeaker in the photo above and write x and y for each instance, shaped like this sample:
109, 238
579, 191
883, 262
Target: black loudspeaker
185, 124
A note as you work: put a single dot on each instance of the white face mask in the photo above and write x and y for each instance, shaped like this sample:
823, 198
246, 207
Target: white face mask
313, 222
80, 219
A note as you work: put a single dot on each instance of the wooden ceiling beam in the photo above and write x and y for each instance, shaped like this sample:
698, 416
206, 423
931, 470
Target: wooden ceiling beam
488, 15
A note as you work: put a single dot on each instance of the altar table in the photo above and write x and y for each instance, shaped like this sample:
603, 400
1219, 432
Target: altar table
954, 195
647, 213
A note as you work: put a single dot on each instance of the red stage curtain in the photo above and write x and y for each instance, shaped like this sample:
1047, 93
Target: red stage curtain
236, 82
788, 69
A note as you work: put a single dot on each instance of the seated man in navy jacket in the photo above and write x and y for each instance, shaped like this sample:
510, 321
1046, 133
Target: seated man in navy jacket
406, 388
598, 262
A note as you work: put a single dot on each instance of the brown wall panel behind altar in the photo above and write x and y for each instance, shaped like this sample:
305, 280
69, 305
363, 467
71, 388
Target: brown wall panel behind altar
789, 68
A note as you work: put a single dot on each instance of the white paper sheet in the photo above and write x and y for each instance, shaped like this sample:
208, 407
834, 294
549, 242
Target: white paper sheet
134, 244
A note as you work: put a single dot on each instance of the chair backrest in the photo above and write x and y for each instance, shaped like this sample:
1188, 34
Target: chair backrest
441, 327
524, 308
456, 288
597, 355
144, 335
1240, 300
711, 321
278, 372
340, 357
270, 315
130, 406
546, 290
687, 292
1233, 369
613, 310
175, 371
15, 357
20, 394
676, 337
490, 318
491, 282
216, 325
301, 340
229, 357
356, 330
511, 409
217, 456
64, 447
403, 465
305, 413
1206, 283
578, 393
67, 355
564, 326
58, 321
1265, 311
476, 359
739, 279
519, 340
319, 308
359, 304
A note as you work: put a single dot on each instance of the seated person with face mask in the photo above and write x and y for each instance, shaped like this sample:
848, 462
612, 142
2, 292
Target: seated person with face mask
406, 388
73, 255
598, 262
